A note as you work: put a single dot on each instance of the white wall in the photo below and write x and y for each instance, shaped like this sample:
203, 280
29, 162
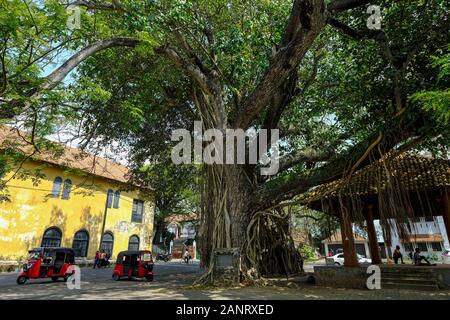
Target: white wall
443, 231
424, 227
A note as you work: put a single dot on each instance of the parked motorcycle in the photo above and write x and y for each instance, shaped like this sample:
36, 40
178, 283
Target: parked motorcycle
163, 257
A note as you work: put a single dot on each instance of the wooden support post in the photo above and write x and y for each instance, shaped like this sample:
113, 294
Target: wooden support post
348, 242
373, 241
446, 212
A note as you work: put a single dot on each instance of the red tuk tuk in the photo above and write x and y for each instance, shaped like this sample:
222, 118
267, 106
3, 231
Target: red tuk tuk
51, 263
138, 264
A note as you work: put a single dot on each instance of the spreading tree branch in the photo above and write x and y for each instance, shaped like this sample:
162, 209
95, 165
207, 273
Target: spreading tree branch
95, 5
306, 21
349, 31
343, 5
274, 191
304, 156
60, 73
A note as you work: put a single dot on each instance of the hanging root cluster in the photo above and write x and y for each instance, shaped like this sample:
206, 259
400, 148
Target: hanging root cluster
215, 219
269, 246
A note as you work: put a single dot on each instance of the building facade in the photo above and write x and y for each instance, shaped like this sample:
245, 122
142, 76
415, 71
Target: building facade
184, 228
77, 201
333, 244
429, 235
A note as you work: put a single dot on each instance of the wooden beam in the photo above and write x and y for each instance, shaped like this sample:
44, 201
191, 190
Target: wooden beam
373, 241
348, 242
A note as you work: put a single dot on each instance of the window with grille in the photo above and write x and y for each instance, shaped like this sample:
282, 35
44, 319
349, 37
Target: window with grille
116, 200
436, 246
133, 243
67, 189
107, 243
80, 243
56, 190
138, 211
422, 246
51, 238
109, 198
408, 247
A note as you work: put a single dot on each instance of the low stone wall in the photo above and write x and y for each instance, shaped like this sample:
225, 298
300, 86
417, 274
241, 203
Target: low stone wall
443, 276
344, 277
9, 266
356, 277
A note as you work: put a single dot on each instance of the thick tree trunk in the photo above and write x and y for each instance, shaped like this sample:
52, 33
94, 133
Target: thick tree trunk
263, 238
239, 193
225, 217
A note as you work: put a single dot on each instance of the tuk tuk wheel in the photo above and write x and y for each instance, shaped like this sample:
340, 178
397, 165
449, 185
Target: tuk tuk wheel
21, 280
149, 278
116, 277
55, 278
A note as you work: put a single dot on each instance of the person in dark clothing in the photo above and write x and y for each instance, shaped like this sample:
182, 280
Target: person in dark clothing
418, 258
397, 255
97, 259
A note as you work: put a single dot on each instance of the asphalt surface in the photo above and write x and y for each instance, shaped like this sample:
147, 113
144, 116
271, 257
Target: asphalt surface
173, 281
98, 284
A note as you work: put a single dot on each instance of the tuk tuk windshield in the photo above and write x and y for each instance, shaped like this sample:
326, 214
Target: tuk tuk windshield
146, 256
34, 255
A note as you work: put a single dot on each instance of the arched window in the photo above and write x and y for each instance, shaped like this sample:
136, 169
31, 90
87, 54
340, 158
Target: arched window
80, 243
133, 243
107, 243
51, 238
67, 188
56, 190
116, 199
109, 198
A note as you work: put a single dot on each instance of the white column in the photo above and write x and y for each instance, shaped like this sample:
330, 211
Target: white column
194, 245
366, 248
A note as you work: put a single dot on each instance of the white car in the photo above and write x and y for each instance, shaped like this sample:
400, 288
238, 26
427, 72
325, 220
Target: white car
338, 259
446, 256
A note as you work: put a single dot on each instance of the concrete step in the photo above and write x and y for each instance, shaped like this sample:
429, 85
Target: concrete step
409, 280
408, 274
409, 286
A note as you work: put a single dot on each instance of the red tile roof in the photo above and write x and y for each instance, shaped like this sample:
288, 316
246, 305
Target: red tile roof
69, 157
337, 238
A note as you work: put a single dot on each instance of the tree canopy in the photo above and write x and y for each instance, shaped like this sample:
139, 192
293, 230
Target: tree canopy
340, 94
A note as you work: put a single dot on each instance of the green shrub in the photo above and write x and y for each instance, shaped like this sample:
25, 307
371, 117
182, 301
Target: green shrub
307, 251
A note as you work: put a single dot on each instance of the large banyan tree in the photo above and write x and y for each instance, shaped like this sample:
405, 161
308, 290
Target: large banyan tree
130, 72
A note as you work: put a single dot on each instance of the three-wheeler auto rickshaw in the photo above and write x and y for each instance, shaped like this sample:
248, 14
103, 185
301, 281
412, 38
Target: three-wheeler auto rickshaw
134, 264
51, 263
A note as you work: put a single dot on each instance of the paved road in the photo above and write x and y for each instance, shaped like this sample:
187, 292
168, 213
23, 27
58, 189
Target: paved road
97, 283
173, 282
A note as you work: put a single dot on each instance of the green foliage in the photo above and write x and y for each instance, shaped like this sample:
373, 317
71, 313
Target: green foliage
130, 99
307, 251
438, 101
168, 237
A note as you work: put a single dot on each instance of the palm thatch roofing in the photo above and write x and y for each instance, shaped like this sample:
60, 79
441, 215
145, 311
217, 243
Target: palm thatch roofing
412, 172
398, 188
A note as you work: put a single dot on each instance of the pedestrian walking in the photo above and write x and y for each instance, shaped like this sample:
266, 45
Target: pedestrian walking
97, 259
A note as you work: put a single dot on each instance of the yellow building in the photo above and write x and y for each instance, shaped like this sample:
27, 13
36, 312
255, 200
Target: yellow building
70, 201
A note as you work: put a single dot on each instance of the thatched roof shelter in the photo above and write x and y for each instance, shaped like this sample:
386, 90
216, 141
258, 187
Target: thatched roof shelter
394, 189
418, 180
